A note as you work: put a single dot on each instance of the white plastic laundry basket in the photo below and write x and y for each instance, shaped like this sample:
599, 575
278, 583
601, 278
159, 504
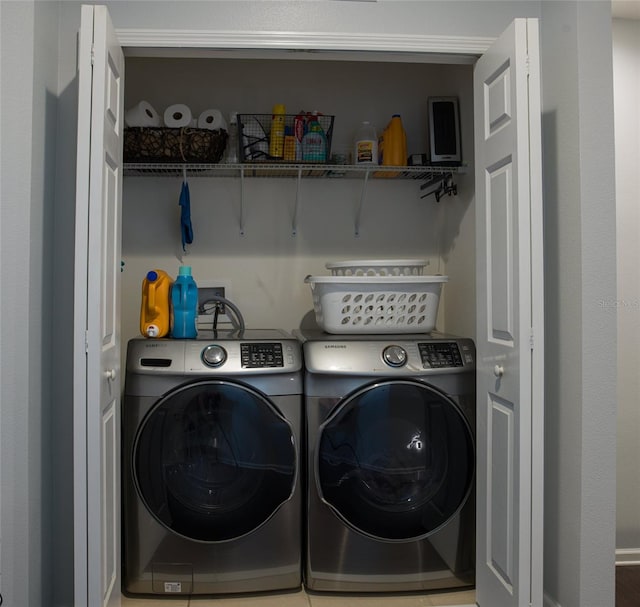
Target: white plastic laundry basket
376, 304
378, 267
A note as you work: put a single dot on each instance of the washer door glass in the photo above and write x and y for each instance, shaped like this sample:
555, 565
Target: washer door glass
396, 460
214, 460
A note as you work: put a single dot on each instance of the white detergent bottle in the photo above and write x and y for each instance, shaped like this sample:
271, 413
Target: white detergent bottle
365, 147
231, 151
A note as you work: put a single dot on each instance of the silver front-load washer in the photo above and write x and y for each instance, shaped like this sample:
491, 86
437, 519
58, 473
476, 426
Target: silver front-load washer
390, 462
211, 464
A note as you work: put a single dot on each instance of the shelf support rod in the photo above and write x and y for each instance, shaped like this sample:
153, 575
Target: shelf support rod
242, 201
294, 221
360, 205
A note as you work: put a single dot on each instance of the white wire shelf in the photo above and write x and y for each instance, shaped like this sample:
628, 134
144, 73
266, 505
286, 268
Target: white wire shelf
434, 178
264, 170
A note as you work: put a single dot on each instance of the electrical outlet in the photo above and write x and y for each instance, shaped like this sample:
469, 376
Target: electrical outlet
205, 296
207, 288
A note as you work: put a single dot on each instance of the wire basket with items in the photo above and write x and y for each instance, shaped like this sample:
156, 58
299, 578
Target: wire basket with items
164, 144
176, 136
286, 138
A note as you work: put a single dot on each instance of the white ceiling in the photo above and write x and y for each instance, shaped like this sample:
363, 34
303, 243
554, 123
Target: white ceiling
625, 9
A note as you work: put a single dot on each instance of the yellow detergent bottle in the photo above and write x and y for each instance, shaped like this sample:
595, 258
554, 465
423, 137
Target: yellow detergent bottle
394, 147
276, 136
155, 311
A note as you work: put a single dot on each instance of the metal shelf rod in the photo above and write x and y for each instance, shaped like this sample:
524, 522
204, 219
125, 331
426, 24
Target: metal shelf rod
362, 198
294, 221
241, 201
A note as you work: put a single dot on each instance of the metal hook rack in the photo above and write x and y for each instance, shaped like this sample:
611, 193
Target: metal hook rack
439, 185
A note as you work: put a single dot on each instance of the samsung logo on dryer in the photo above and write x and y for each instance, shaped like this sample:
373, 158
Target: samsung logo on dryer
335, 347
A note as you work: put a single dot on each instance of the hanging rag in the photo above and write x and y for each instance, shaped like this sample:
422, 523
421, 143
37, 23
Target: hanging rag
185, 216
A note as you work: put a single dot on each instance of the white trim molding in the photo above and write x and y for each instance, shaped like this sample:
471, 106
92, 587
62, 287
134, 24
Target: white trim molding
628, 556
221, 39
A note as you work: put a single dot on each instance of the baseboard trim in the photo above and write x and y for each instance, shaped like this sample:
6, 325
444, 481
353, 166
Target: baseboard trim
547, 601
628, 556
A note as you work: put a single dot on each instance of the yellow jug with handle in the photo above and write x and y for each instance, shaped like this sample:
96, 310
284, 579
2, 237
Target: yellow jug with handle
155, 311
393, 146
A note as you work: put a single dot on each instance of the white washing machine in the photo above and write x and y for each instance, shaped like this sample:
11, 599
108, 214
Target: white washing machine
211, 464
390, 462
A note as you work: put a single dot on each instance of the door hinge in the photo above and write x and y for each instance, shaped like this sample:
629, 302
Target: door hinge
527, 64
86, 342
93, 54
531, 340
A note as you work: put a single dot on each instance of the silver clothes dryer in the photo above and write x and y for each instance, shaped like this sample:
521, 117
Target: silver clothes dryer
211, 464
390, 462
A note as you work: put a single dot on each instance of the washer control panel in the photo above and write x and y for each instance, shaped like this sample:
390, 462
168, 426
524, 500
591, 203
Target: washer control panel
229, 357
215, 355
438, 355
261, 355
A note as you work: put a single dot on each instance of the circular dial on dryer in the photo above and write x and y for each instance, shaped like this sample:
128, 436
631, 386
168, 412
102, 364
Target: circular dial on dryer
394, 356
214, 356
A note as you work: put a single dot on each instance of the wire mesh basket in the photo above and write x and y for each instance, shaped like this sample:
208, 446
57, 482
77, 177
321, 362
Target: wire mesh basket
376, 304
254, 134
378, 267
163, 144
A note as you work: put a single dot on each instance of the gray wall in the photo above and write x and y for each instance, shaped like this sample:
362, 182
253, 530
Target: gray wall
580, 332
460, 18
626, 70
29, 92
579, 240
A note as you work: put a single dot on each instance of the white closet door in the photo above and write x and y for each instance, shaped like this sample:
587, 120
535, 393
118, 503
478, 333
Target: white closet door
97, 306
509, 329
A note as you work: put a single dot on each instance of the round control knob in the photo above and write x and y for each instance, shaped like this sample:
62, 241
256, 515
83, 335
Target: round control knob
394, 356
214, 356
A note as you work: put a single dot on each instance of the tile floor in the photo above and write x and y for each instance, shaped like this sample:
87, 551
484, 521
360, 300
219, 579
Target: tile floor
302, 599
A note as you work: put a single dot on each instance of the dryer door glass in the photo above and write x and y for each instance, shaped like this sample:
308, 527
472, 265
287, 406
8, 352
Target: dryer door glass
214, 460
396, 460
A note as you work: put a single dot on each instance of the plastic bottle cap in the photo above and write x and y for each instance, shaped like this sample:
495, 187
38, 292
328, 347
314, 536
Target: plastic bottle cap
153, 331
184, 271
278, 109
152, 275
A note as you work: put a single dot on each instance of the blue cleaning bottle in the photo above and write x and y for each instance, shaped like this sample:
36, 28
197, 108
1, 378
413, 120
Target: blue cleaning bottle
314, 144
184, 305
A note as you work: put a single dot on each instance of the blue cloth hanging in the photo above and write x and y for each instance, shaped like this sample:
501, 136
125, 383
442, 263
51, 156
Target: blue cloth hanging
185, 216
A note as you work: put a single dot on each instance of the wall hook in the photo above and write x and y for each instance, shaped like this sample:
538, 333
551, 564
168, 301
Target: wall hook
439, 185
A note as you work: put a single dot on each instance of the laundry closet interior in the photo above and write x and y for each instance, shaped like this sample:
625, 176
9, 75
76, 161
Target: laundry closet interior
259, 232
259, 237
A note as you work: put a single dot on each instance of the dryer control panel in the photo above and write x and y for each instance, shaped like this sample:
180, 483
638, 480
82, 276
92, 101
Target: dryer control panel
395, 357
